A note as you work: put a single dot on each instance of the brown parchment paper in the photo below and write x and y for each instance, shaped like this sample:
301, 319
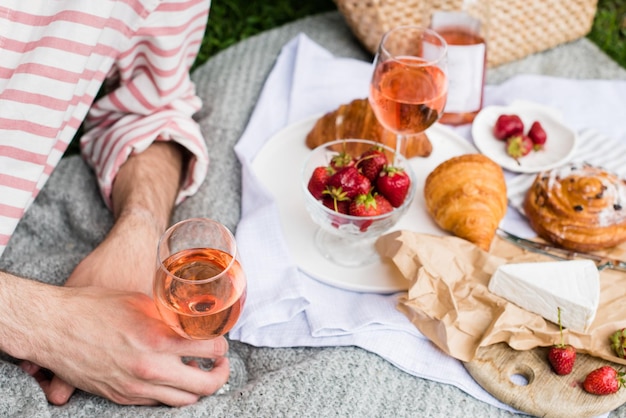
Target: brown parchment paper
449, 302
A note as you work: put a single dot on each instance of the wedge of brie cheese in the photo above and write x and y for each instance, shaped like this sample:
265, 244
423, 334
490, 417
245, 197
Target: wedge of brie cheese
543, 287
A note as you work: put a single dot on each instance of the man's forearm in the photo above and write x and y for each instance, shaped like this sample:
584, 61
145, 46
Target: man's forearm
147, 184
21, 303
144, 194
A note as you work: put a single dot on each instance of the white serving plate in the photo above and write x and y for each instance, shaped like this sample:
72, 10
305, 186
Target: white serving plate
278, 165
559, 147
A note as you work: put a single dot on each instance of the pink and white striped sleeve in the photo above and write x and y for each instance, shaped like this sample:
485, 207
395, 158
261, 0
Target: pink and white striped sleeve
153, 98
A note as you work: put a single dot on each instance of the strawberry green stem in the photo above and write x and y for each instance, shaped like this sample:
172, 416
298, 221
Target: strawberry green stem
560, 326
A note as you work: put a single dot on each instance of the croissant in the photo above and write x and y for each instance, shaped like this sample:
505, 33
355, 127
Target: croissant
357, 120
578, 206
466, 195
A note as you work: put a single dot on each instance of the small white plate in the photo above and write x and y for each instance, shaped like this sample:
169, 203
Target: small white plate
283, 182
558, 149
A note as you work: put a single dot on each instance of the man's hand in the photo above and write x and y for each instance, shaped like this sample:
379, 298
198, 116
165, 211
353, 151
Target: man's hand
105, 342
133, 247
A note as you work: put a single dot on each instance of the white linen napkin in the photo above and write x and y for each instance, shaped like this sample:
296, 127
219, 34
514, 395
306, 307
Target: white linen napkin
287, 308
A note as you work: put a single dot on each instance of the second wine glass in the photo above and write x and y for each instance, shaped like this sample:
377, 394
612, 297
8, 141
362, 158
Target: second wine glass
409, 85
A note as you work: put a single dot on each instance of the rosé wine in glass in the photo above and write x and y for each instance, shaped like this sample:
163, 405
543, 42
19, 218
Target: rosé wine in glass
193, 306
408, 96
199, 284
409, 85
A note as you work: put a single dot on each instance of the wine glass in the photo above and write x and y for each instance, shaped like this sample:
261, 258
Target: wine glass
199, 285
409, 85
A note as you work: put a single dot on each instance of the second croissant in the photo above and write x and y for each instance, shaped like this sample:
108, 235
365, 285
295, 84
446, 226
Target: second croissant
466, 195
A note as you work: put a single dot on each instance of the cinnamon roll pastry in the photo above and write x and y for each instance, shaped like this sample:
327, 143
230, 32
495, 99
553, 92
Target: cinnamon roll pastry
578, 206
356, 120
466, 195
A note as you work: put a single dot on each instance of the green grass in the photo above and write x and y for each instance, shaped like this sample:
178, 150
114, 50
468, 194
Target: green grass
609, 29
231, 21
234, 20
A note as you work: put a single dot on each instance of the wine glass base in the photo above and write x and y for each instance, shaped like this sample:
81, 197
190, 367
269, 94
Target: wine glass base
346, 251
204, 364
238, 373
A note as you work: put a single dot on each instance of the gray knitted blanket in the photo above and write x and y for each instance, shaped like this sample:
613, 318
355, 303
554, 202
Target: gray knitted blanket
68, 219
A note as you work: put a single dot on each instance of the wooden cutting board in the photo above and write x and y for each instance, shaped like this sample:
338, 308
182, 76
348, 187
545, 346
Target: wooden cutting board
525, 381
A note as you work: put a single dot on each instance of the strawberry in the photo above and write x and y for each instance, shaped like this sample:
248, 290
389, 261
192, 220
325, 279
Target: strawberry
393, 183
318, 180
384, 206
341, 160
618, 342
338, 204
519, 146
562, 356
371, 162
368, 205
348, 180
603, 381
537, 135
507, 126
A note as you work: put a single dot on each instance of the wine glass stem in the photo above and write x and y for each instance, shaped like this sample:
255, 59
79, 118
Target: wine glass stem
400, 144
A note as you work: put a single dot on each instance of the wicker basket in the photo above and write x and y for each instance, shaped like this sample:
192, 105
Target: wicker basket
517, 27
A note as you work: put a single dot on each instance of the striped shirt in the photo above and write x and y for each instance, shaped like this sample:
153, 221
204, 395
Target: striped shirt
54, 57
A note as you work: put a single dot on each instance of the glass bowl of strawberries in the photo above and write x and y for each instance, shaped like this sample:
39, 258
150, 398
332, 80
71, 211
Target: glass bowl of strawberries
355, 190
